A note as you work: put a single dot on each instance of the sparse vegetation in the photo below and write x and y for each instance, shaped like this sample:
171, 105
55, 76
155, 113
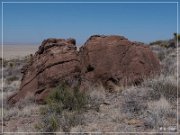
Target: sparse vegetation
67, 98
162, 43
158, 113
156, 42
134, 102
96, 96
29, 58
12, 78
177, 36
162, 86
70, 119
11, 64
161, 55
150, 106
64, 104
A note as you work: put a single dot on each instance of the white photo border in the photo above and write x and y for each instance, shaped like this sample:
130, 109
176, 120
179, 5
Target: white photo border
2, 3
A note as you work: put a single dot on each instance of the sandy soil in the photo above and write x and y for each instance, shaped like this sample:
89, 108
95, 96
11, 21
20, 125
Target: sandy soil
17, 51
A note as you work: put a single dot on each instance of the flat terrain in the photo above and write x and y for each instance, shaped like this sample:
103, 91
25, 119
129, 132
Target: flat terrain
17, 51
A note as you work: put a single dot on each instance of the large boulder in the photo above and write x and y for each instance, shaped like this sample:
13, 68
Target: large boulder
117, 60
105, 59
56, 60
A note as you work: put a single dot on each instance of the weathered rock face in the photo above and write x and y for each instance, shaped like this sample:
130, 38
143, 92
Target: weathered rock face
56, 60
108, 59
116, 59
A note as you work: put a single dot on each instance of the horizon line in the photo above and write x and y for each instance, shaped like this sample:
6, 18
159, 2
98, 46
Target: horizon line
88, 2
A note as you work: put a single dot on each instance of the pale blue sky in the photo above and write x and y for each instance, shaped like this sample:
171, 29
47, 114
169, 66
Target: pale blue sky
31, 23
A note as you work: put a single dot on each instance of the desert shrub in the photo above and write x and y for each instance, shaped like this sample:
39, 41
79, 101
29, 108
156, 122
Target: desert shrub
70, 119
11, 64
62, 99
162, 43
27, 101
5, 63
15, 111
8, 113
50, 123
158, 113
96, 96
1, 60
161, 55
29, 59
177, 36
169, 64
156, 42
162, 86
134, 101
67, 98
11, 79
24, 108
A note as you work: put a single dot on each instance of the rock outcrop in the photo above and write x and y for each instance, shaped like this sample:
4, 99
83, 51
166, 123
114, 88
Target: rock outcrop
116, 59
108, 59
56, 60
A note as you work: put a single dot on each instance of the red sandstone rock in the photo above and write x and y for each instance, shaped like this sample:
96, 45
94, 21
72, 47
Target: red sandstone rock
106, 59
56, 60
116, 59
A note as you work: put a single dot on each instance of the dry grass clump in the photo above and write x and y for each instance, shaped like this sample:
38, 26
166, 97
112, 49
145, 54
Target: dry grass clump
160, 114
162, 55
12, 69
28, 100
96, 96
70, 120
155, 101
17, 112
25, 108
49, 123
156, 113
162, 86
11, 79
134, 101
169, 64
160, 51
167, 57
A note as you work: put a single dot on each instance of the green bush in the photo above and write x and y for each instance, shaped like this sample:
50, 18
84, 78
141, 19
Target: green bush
67, 98
61, 99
